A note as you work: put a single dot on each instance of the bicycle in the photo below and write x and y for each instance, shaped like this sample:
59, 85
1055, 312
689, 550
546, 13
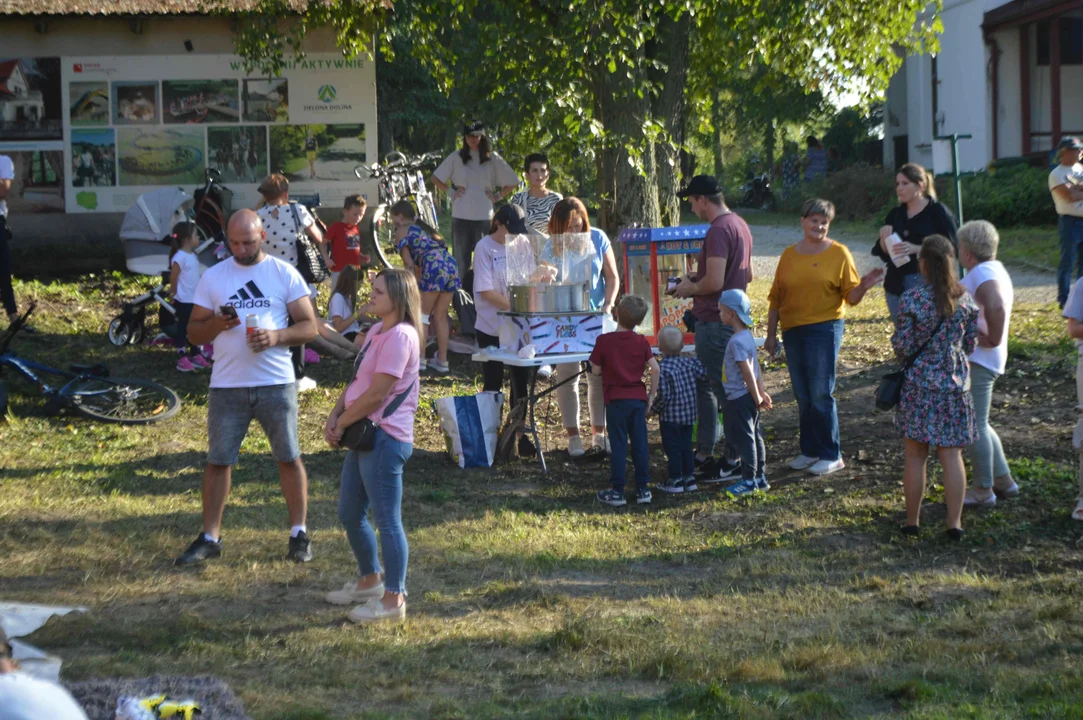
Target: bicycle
88, 389
399, 177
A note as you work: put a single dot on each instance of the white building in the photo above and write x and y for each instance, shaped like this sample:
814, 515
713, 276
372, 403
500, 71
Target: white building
1010, 74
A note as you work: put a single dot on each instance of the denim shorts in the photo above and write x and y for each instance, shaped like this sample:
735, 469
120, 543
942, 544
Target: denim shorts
231, 410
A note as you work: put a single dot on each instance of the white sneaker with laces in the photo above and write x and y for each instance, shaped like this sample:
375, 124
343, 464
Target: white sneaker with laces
374, 611
349, 594
575, 446
602, 441
826, 467
802, 462
305, 384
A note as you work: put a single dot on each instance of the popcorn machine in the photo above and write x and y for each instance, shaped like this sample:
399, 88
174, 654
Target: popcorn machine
651, 257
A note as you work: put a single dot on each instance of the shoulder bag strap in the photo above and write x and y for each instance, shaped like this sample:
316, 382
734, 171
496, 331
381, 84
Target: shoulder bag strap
296, 219
394, 404
917, 353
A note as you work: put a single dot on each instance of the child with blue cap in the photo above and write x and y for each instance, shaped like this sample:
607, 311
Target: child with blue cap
742, 380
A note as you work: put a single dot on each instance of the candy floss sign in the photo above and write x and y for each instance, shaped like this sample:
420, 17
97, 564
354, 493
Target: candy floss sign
549, 335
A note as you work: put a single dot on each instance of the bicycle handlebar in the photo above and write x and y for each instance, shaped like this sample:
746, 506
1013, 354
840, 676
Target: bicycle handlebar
15, 327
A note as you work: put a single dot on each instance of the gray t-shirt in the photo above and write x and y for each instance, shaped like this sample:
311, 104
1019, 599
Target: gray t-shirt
741, 347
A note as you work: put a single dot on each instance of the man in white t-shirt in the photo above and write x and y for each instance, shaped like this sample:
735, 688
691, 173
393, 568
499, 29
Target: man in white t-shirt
23, 697
253, 375
7, 294
1066, 186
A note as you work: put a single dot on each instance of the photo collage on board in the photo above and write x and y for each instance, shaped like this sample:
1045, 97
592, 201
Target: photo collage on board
32, 131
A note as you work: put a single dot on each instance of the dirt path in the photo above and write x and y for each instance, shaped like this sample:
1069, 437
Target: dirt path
1031, 286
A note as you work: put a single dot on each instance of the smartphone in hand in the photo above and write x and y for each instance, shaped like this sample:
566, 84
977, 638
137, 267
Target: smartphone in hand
228, 310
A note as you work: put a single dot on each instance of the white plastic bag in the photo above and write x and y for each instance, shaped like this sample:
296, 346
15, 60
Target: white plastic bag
471, 425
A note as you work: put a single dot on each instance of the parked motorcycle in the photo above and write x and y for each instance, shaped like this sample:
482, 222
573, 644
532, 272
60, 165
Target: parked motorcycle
756, 193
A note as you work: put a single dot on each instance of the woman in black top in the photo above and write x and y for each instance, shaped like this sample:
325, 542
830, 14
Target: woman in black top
918, 215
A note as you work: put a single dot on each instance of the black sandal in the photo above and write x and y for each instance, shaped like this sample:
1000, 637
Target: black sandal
910, 530
955, 534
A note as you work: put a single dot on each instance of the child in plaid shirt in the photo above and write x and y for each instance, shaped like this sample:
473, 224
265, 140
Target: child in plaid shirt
675, 405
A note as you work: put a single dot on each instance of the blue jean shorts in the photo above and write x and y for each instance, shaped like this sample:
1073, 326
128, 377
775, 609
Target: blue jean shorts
231, 410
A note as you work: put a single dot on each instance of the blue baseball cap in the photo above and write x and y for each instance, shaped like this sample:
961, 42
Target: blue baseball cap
737, 301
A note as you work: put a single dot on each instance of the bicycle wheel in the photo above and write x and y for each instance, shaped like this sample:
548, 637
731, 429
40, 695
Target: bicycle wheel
136, 336
380, 239
121, 400
119, 331
426, 210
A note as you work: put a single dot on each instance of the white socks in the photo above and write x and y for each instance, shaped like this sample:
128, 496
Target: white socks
297, 529
208, 538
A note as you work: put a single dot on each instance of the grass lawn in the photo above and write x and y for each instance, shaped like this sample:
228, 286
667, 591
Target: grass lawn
527, 598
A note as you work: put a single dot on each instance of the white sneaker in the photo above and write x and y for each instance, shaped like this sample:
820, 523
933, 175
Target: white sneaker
802, 462
826, 467
971, 499
349, 594
602, 441
373, 611
545, 371
575, 446
305, 384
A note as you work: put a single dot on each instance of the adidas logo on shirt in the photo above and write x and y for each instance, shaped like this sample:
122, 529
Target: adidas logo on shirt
248, 297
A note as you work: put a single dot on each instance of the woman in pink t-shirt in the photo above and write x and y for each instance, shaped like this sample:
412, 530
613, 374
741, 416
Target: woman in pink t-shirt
387, 373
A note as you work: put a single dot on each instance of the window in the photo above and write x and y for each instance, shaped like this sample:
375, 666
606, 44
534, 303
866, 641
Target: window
1071, 40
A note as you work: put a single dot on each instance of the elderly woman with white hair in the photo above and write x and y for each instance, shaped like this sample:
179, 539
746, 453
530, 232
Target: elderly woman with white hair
991, 287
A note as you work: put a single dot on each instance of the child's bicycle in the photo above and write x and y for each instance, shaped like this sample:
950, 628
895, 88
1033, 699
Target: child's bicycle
130, 327
88, 390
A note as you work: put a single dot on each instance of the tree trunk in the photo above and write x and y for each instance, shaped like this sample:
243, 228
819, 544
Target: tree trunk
627, 194
671, 49
716, 135
769, 144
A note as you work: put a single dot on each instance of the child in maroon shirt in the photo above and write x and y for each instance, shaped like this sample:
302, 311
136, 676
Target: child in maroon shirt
345, 238
620, 358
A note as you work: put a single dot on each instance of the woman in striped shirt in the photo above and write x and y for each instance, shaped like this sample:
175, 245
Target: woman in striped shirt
537, 201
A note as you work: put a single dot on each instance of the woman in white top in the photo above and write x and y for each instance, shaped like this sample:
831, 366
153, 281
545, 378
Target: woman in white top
991, 287
491, 296
277, 214
475, 177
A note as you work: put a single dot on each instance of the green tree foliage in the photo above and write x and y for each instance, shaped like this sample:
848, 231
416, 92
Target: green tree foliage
610, 78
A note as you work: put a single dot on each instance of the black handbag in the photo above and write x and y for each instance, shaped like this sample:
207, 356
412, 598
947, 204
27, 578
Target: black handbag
309, 259
889, 392
361, 436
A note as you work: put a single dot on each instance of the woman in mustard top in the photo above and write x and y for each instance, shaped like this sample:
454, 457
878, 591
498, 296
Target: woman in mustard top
813, 280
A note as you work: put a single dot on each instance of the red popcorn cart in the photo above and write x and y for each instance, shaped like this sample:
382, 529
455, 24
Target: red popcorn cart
652, 257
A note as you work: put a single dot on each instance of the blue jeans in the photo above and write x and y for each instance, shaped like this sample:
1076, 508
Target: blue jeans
1070, 229
986, 454
909, 282
745, 434
811, 354
711, 341
677, 443
374, 479
626, 421
231, 410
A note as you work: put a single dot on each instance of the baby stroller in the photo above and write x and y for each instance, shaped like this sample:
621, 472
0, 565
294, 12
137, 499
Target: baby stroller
147, 226
145, 234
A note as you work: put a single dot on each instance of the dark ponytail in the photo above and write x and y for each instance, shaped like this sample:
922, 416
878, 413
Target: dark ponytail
405, 208
181, 232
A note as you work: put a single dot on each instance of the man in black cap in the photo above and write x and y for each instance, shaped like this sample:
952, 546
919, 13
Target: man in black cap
1066, 186
725, 263
23, 697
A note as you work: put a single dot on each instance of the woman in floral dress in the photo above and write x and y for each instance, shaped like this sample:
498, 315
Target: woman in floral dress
425, 254
936, 407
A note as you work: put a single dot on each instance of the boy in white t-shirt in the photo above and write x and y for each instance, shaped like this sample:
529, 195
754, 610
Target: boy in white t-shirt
252, 377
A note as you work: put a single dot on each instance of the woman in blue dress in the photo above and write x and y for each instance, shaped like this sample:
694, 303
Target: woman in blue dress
937, 327
425, 254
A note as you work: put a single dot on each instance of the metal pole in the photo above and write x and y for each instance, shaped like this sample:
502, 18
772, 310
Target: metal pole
956, 176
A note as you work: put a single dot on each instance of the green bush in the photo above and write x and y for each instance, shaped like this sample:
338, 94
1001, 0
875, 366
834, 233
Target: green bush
860, 192
1011, 196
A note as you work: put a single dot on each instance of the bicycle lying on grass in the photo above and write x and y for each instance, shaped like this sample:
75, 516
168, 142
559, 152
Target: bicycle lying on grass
87, 389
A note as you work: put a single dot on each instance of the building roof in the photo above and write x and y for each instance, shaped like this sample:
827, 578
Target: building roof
1019, 12
7, 69
120, 7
